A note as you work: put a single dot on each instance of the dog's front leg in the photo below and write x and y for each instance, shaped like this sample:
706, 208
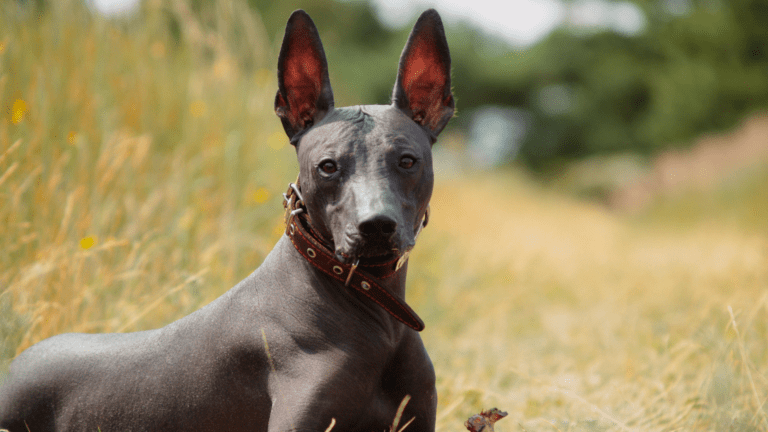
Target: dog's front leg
300, 405
315, 390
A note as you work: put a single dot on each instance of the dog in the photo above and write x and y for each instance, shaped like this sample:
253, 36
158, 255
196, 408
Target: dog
319, 334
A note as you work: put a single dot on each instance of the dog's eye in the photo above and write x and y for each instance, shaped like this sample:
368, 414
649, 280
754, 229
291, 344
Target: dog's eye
407, 162
328, 167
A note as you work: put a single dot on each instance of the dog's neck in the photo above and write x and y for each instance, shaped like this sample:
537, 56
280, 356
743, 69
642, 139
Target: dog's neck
380, 282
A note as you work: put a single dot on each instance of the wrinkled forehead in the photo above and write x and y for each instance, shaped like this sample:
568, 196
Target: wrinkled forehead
368, 125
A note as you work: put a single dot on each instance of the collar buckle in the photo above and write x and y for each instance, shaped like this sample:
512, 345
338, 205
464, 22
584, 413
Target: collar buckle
293, 202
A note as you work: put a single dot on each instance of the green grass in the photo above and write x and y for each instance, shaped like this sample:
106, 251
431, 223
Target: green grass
140, 178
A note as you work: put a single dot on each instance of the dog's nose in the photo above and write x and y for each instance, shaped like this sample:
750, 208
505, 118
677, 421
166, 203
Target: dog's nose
378, 226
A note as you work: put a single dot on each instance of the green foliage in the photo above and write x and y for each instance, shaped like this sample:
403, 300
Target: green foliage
685, 75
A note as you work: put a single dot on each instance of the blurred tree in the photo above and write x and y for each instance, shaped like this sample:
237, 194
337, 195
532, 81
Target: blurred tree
693, 70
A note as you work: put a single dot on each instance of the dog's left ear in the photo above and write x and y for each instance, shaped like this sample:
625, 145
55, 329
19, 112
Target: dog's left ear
423, 86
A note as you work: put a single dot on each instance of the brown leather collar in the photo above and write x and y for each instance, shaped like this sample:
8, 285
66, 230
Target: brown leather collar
362, 277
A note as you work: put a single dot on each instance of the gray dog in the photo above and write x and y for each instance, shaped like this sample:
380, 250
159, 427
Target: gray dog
317, 334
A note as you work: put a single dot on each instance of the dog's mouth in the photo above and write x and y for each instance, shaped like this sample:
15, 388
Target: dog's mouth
367, 254
353, 248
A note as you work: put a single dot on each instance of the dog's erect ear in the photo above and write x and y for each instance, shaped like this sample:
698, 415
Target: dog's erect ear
423, 86
304, 94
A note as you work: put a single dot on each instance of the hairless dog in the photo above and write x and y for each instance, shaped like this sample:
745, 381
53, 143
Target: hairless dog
319, 333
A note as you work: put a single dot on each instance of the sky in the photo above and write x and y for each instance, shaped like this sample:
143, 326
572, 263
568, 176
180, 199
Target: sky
519, 22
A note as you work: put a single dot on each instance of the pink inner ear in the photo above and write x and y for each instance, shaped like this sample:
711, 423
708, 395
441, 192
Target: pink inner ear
302, 78
424, 81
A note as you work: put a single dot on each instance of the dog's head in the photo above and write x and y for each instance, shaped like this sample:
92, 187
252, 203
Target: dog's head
365, 171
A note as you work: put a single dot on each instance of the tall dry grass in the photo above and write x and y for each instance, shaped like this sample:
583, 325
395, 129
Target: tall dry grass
576, 319
140, 172
140, 165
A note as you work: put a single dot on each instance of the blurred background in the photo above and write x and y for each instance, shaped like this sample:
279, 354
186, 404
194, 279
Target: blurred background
609, 97
598, 253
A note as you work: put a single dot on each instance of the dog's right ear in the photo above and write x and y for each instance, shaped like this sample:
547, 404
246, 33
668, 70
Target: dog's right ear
304, 94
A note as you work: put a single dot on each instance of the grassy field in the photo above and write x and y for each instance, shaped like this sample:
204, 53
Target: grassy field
573, 318
141, 168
